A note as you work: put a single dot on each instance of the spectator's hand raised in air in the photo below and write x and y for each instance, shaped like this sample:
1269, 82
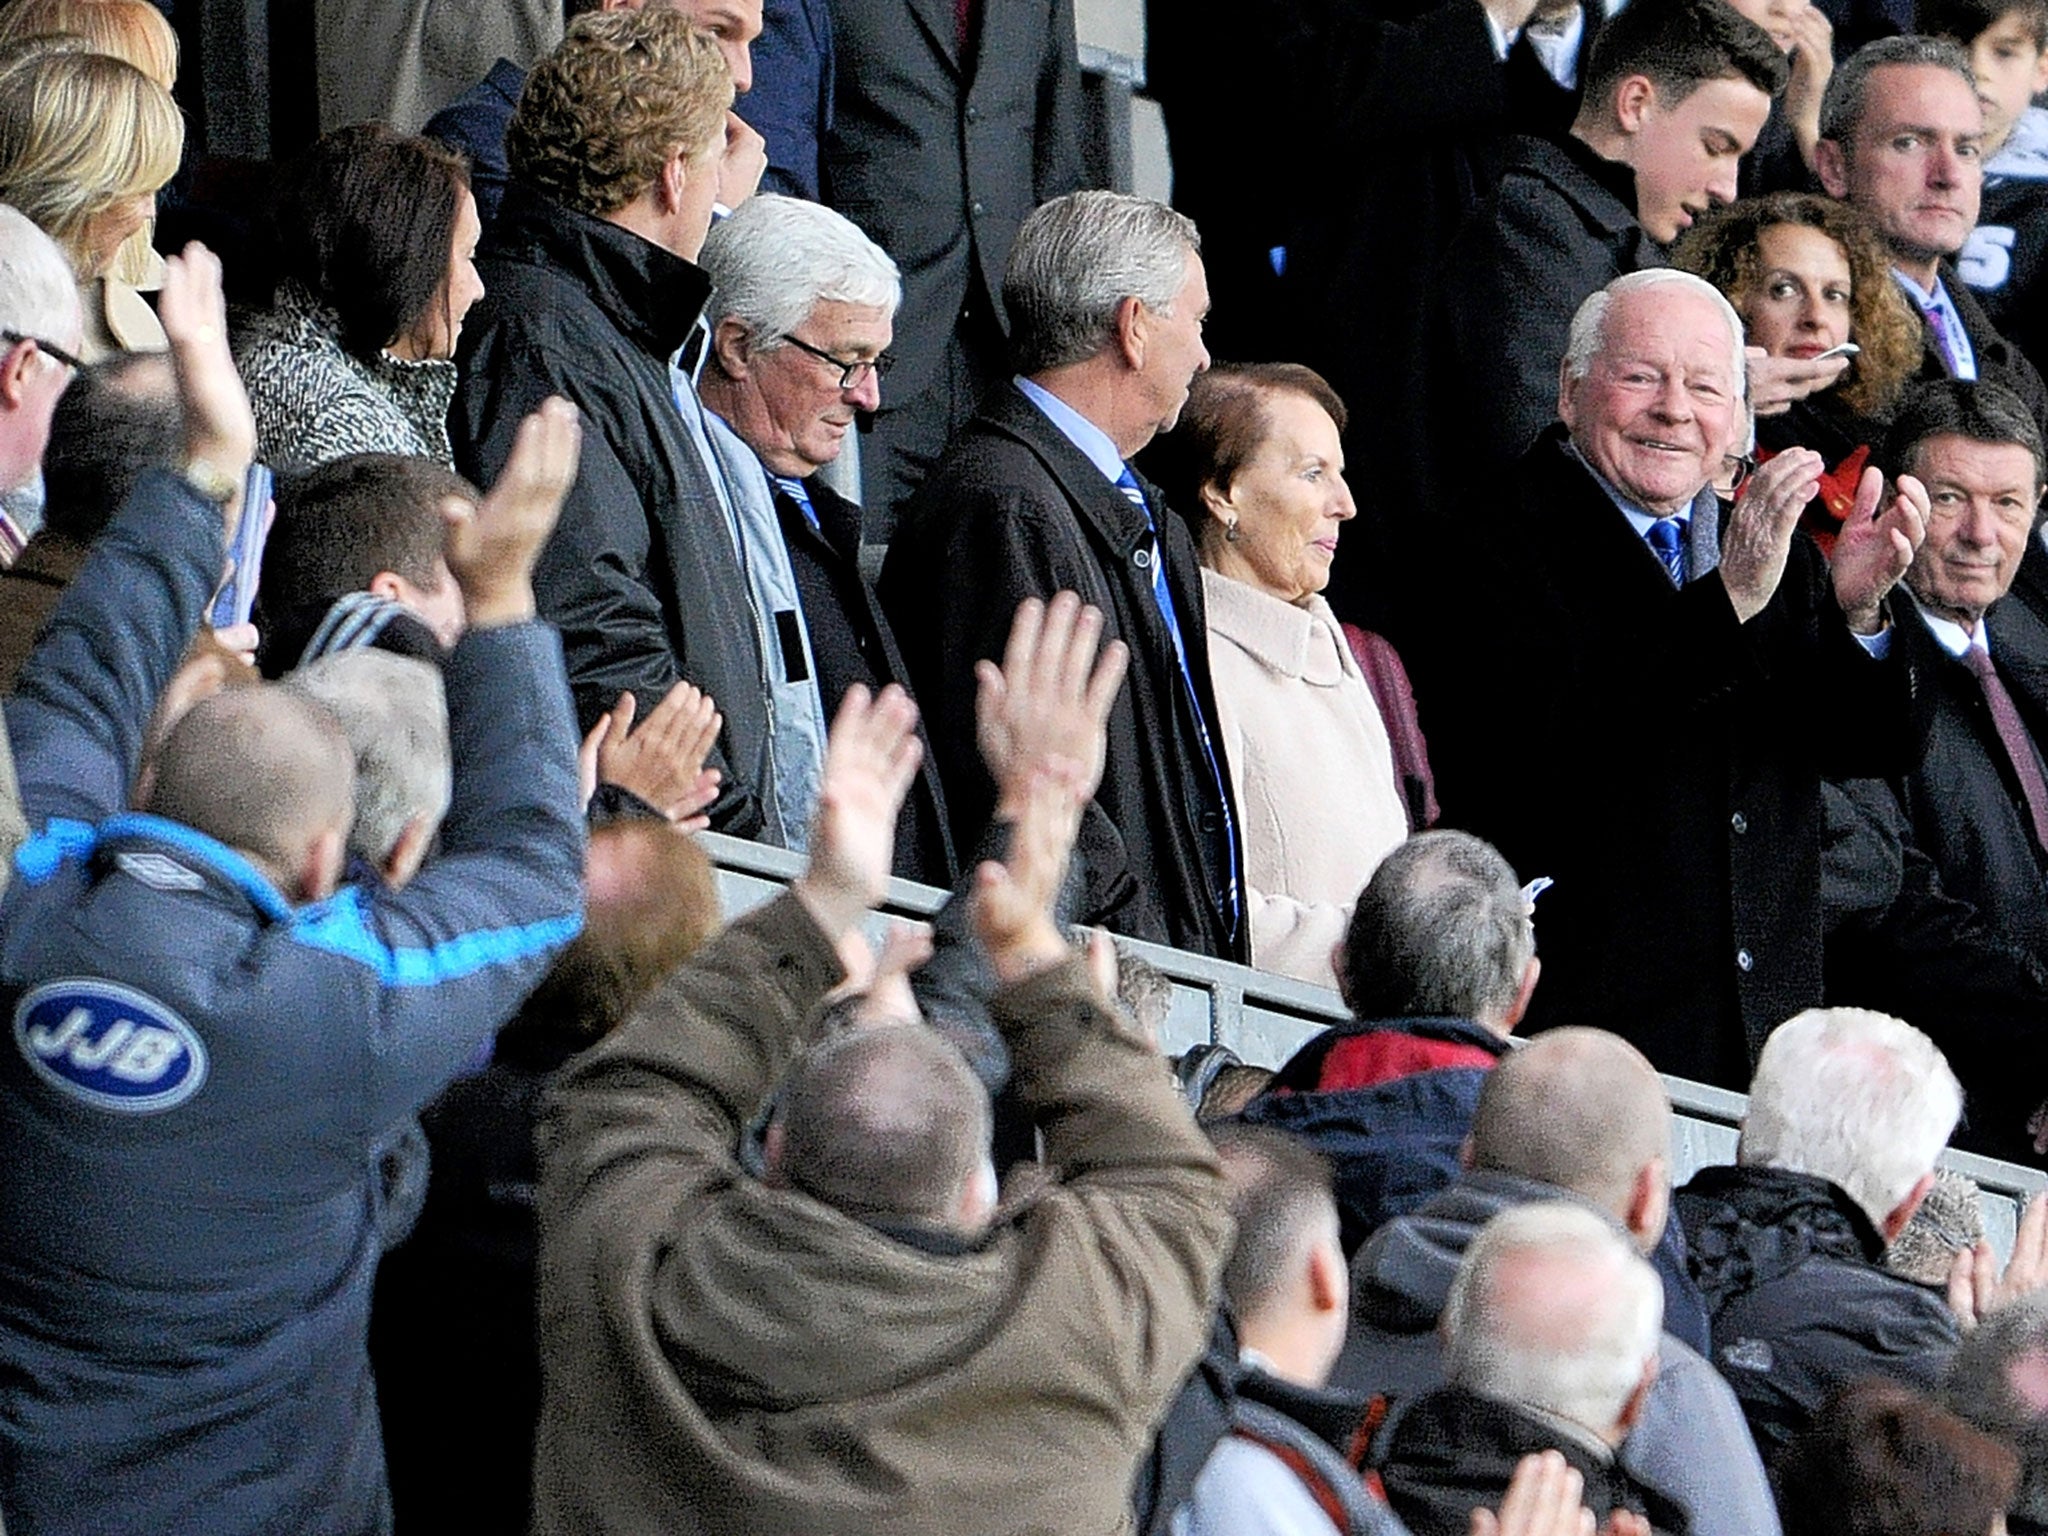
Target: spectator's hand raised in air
1759, 531
1013, 901
1049, 700
1876, 546
871, 755
663, 761
1976, 1288
1775, 382
492, 545
1813, 65
220, 428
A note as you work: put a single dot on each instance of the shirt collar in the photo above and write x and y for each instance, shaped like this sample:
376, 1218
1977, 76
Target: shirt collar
1955, 639
1078, 429
1638, 519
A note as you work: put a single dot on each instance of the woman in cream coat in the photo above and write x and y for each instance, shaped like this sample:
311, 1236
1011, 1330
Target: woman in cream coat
1257, 465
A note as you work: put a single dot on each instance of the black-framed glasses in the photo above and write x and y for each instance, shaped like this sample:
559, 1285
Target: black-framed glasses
853, 372
1733, 475
69, 359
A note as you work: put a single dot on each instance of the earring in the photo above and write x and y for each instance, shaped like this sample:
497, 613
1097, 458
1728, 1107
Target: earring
1230, 531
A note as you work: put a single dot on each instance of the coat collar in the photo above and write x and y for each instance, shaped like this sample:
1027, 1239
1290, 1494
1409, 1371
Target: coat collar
1604, 190
1301, 642
653, 296
1095, 499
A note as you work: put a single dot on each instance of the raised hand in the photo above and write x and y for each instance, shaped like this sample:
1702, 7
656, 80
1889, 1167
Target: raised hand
871, 755
1759, 532
1976, 1288
663, 761
1775, 382
492, 545
1543, 1499
219, 425
741, 163
1013, 901
1875, 548
1050, 699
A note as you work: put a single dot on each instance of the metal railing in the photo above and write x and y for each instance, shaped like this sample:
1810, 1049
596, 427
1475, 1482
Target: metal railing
1264, 1017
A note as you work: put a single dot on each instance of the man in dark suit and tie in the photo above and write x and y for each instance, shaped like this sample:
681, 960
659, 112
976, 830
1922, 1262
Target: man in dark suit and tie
1902, 134
1636, 694
952, 120
1106, 296
801, 315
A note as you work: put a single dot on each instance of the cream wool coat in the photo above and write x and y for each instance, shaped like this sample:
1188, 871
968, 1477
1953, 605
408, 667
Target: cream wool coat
1310, 767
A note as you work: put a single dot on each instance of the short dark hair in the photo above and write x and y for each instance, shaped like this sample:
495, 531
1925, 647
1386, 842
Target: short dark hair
1966, 20
1679, 45
886, 1121
1881, 1460
366, 223
1221, 427
1281, 1193
118, 419
1440, 931
1982, 411
1841, 105
341, 523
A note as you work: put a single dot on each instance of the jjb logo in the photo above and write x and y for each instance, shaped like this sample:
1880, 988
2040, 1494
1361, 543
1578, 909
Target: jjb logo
110, 1047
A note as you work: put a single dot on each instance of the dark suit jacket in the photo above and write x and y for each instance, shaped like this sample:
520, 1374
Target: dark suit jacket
1659, 760
791, 103
474, 123
1016, 511
939, 159
1561, 224
1997, 358
851, 642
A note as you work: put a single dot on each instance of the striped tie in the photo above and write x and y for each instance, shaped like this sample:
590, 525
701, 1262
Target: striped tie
794, 489
1154, 556
1666, 539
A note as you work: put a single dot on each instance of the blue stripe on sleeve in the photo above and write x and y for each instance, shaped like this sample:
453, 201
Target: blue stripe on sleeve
341, 927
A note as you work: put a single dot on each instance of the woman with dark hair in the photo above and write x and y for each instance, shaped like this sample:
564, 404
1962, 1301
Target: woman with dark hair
1257, 465
1881, 1460
1807, 275
376, 235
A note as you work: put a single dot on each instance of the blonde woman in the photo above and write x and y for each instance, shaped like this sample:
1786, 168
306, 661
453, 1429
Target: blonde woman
87, 140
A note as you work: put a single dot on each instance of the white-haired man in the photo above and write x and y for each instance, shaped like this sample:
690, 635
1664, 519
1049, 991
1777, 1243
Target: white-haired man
1106, 295
802, 312
1847, 1115
1551, 1340
1638, 690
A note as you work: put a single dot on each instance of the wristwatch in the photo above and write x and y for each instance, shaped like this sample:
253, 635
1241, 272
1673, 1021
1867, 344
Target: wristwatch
210, 480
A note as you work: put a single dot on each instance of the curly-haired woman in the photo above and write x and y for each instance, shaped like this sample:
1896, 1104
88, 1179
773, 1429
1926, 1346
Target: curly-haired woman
1808, 275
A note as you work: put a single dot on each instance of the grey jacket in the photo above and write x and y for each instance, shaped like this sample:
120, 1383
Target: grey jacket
1692, 1444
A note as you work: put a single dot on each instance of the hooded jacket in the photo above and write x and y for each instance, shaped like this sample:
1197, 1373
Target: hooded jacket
1691, 1444
1792, 1270
723, 1355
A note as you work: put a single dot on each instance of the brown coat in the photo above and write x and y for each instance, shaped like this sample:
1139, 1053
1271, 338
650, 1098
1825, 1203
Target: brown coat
719, 1355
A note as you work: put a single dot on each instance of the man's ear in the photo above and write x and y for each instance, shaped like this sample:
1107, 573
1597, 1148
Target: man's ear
1832, 167
1638, 1400
1131, 331
320, 870
668, 187
410, 851
14, 366
1649, 1203
388, 585
1567, 389
1635, 99
1519, 1008
1895, 1220
732, 347
1329, 1282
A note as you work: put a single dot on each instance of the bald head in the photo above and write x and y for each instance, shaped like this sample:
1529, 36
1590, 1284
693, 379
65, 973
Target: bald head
1578, 1108
887, 1121
263, 770
1552, 1309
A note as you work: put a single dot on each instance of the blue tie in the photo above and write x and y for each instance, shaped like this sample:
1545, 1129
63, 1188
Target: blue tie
794, 490
1162, 594
1667, 541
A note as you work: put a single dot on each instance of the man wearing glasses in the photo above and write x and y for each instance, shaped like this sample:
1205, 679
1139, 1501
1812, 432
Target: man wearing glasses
41, 329
802, 312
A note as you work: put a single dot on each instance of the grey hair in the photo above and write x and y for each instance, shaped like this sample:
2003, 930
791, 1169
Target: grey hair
1854, 1096
38, 291
775, 259
394, 712
1841, 105
1589, 325
1080, 256
1996, 1381
1442, 929
1553, 1309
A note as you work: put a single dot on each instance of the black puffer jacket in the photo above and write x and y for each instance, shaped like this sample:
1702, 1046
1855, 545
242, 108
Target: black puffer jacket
1800, 1302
